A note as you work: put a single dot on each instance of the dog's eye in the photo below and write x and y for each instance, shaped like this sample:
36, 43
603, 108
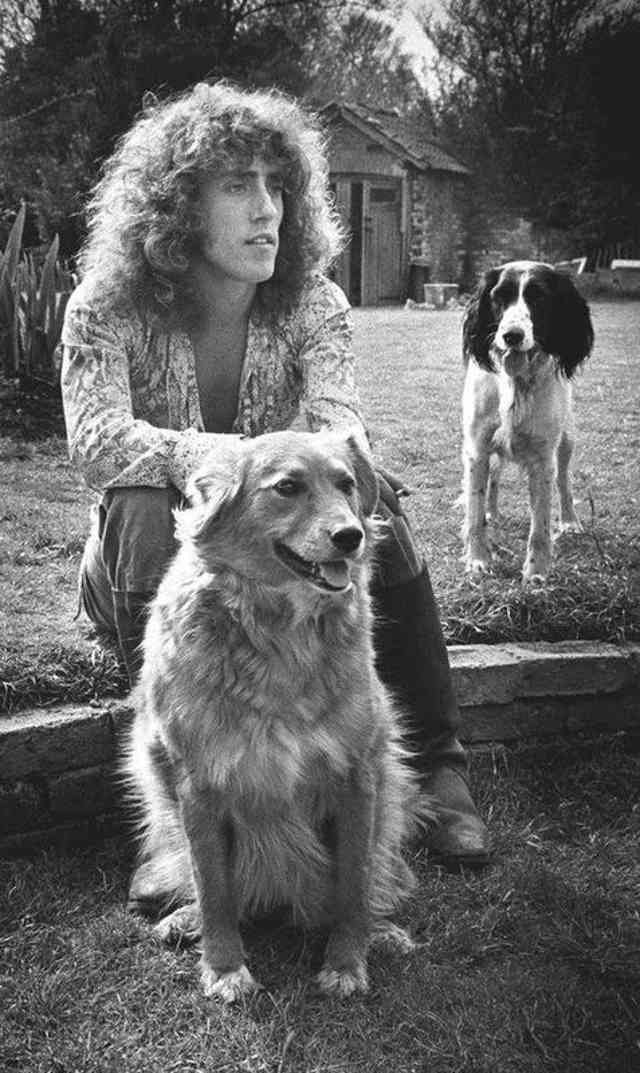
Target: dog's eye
287, 487
346, 485
534, 296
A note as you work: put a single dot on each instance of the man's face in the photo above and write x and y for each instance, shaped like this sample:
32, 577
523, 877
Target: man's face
242, 213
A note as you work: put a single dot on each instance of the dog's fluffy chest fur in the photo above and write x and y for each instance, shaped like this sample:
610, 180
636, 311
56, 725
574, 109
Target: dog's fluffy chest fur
273, 689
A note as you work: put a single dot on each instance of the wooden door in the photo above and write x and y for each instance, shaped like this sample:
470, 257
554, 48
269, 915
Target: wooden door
383, 245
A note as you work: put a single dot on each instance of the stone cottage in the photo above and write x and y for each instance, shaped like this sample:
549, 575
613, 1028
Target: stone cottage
402, 199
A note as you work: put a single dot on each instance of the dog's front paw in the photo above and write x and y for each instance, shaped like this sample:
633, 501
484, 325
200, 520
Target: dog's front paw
181, 928
385, 933
477, 567
228, 986
534, 573
343, 982
570, 525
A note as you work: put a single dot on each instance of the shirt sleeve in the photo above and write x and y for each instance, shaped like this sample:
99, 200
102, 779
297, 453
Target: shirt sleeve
329, 395
110, 446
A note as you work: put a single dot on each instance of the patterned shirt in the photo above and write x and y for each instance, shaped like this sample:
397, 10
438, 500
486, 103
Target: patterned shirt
130, 395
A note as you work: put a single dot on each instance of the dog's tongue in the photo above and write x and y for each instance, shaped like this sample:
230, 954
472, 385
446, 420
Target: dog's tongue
335, 574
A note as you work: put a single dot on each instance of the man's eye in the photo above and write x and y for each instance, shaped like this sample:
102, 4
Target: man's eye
287, 487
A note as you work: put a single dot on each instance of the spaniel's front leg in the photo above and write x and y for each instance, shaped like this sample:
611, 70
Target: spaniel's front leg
569, 521
477, 553
541, 480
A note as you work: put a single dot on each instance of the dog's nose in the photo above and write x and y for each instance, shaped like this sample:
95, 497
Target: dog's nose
513, 337
347, 539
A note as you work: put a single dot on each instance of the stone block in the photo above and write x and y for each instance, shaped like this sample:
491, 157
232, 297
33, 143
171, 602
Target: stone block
439, 295
536, 717
83, 792
23, 804
509, 722
500, 674
49, 740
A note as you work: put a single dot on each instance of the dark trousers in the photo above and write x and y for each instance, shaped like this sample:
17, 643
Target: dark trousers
132, 541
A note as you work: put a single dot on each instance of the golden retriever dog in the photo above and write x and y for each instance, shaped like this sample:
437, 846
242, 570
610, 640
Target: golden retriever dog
266, 756
526, 331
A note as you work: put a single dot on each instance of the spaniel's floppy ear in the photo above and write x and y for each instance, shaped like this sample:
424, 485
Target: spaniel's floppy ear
570, 330
365, 475
212, 489
479, 324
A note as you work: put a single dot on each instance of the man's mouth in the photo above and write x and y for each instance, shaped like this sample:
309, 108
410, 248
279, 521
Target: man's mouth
261, 240
332, 576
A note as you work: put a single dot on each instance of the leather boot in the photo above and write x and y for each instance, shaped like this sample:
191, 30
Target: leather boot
413, 662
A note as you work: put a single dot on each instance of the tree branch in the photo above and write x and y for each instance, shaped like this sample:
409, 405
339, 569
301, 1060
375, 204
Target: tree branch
10, 120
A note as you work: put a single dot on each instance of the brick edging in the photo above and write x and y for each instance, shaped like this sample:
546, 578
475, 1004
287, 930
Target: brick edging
58, 766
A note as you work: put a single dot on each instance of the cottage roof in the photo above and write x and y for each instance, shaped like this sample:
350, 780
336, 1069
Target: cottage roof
402, 136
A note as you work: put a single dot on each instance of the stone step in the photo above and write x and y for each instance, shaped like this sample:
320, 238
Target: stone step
58, 767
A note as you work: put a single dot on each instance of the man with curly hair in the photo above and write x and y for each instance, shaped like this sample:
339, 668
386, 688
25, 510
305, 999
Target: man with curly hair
204, 312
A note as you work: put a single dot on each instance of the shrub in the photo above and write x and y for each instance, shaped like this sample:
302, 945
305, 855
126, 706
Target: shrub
33, 298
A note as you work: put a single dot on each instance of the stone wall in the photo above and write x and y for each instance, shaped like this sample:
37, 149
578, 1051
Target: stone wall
59, 768
437, 230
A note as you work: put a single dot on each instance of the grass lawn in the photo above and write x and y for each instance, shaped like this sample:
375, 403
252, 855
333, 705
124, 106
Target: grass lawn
410, 376
532, 966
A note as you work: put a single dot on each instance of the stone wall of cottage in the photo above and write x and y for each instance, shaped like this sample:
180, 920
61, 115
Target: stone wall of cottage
438, 225
509, 237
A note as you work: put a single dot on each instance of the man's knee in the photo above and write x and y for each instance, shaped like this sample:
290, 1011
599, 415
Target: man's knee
398, 558
137, 536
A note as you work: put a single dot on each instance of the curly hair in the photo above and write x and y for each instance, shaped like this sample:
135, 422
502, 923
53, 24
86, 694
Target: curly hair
143, 218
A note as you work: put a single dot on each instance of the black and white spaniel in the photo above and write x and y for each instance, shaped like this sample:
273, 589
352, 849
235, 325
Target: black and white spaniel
526, 331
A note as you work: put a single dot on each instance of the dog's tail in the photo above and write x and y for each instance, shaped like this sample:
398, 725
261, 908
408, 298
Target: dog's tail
404, 812
153, 805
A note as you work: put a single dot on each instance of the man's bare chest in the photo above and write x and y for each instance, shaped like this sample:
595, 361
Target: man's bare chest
219, 357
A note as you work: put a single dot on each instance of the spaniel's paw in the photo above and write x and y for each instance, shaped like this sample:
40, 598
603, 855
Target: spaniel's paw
536, 577
570, 525
478, 567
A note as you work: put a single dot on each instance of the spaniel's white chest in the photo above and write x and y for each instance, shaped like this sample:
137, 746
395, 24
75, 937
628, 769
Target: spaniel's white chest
532, 411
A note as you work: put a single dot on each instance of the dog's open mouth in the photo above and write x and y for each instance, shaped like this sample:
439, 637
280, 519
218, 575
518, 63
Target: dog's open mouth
330, 576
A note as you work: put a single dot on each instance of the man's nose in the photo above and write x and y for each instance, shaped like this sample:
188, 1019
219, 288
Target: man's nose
264, 204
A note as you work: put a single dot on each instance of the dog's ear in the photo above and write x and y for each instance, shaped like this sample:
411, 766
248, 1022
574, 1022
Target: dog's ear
479, 324
365, 474
571, 335
213, 488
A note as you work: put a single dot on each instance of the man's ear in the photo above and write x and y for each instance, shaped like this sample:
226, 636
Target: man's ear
365, 474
